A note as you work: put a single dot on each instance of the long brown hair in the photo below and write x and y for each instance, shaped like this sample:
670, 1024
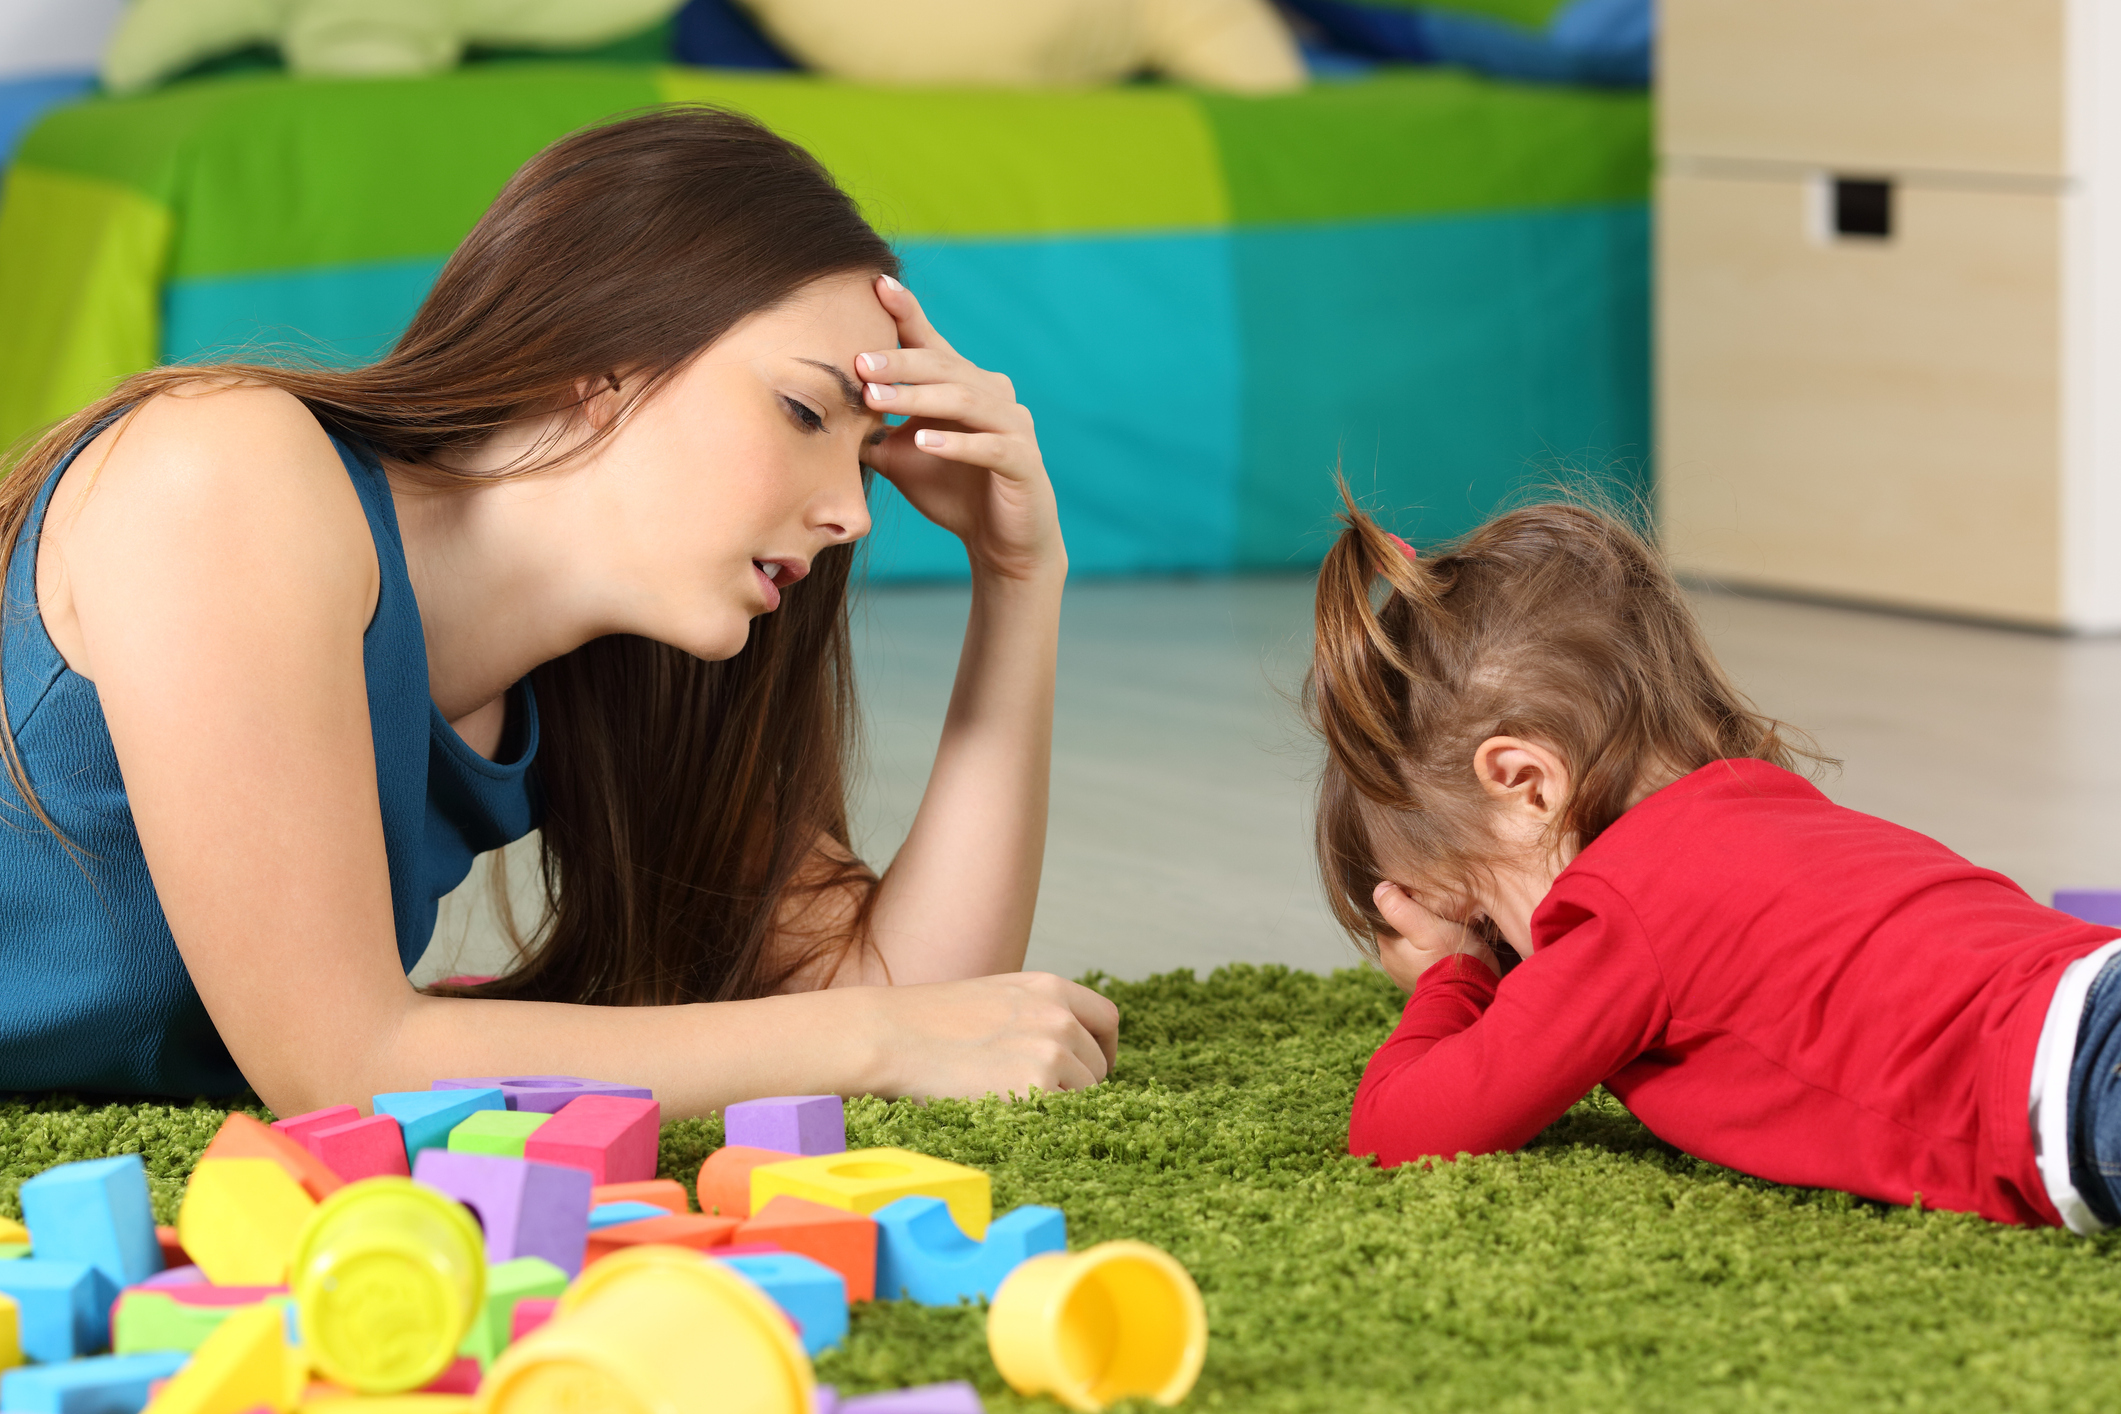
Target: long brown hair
684, 801
1554, 622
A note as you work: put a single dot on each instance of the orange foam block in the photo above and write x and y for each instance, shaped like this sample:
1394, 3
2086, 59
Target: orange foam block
832, 1237
611, 1136
662, 1192
725, 1179
172, 1246
695, 1230
241, 1137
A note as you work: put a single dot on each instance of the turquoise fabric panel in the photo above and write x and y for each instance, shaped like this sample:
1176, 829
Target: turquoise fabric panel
1447, 363
342, 314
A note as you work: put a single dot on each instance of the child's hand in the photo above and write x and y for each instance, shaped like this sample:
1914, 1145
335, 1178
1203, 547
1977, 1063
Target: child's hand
1421, 938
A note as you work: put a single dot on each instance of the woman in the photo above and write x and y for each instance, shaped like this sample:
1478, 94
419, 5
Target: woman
284, 649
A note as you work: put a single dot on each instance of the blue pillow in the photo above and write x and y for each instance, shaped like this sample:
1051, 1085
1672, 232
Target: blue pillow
719, 34
1605, 42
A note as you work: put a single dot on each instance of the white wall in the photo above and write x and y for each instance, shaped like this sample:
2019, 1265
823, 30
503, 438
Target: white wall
54, 36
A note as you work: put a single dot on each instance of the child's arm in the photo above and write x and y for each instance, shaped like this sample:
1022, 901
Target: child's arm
1475, 1068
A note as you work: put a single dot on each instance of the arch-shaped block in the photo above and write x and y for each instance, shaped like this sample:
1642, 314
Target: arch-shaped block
921, 1252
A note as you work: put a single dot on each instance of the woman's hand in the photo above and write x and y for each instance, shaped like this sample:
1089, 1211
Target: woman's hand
1421, 938
966, 457
1004, 1035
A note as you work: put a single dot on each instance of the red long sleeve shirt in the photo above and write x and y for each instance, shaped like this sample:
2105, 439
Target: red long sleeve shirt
1768, 981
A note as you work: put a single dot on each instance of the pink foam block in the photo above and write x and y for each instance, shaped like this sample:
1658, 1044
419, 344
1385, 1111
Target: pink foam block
611, 1137
219, 1295
462, 1377
300, 1127
366, 1148
530, 1313
546, 1094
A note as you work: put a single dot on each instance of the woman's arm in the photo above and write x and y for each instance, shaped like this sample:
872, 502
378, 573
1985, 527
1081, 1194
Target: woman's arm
213, 575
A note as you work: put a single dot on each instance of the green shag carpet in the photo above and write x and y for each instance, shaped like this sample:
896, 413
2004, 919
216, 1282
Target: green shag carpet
1597, 1270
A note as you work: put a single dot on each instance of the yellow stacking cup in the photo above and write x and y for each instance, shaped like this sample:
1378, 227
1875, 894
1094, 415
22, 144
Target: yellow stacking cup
387, 1276
1120, 1320
655, 1330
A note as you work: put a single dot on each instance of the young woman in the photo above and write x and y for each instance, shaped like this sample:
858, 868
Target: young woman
1533, 762
284, 649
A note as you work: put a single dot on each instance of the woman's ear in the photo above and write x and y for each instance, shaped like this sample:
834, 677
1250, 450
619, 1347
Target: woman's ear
1523, 776
599, 400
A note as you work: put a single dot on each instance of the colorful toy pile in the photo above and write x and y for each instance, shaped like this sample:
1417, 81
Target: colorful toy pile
503, 1246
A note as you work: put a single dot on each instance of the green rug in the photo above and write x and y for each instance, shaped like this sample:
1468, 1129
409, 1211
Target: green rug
1597, 1270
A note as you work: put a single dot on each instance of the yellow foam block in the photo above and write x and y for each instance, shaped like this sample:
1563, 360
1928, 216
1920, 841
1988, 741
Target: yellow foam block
10, 1333
863, 1180
245, 1365
240, 1220
12, 1231
347, 1403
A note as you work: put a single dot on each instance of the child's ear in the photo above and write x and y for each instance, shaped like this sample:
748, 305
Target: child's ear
1523, 775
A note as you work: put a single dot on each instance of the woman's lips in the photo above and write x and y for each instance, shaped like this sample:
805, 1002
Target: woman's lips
767, 587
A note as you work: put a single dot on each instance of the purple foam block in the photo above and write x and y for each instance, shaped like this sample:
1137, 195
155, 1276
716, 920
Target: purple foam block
956, 1397
545, 1094
825, 1400
173, 1276
527, 1209
2100, 906
789, 1124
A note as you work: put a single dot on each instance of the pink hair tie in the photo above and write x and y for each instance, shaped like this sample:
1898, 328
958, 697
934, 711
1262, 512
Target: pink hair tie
1404, 548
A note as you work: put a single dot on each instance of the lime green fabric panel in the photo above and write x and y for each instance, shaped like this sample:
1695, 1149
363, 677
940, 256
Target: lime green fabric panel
964, 162
1408, 142
81, 268
273, 172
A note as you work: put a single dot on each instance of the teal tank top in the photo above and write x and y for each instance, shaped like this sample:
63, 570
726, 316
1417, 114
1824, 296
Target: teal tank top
93, 994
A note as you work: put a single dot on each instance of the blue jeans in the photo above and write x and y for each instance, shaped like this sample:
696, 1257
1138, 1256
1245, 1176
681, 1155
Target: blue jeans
2095, 1098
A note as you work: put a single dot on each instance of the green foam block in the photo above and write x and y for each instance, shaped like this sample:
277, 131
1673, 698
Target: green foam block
495, 1132
506, 1284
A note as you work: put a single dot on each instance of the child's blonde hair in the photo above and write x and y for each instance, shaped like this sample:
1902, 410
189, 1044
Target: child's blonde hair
1555, 623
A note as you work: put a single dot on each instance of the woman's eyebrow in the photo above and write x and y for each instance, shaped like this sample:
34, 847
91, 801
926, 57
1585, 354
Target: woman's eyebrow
849, 389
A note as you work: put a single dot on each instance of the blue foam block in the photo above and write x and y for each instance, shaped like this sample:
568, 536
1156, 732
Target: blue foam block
427, 1116
97, 1212
813, 1295
605, 1215
64, 1307
922, 1253
107, 1384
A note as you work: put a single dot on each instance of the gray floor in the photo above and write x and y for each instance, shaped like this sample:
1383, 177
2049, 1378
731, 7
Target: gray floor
1181, 774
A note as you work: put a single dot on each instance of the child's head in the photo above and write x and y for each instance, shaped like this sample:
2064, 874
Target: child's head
1552, 625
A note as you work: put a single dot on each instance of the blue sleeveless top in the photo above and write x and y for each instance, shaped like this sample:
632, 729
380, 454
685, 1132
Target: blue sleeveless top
93, 994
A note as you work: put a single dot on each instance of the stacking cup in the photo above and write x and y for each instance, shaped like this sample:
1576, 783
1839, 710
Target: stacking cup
1119, 1320
387, 1276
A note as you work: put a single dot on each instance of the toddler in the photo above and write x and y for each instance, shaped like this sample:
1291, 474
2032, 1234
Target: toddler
1590, 860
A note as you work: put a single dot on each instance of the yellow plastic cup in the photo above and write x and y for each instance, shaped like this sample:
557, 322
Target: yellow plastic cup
387, 1276
655, 1330
1117, 1321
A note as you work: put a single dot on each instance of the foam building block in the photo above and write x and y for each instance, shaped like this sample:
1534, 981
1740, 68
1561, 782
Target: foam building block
173, 1253
812, 1294
495, 1132
10, 1332
13, 1232
956, 1397
863, 1180
546, 1094
176, 1319
240, 1219
612, 1137
300, 1127
921, 1253
246, 1364
725, 1178
241, 1137
363, 1148
186, 1275
507, 1283
62, 1309
665, 1193
527, 1209
695, 1230
427, 1116
843, 1241
2100, 906
105, 1383
9, 1251
530, 1313
95, 1211
462, 1377
605, 1215
793, 1124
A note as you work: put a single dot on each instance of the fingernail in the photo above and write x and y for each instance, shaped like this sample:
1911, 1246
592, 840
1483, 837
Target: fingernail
872, 362
928, 437
882, 392
891, 284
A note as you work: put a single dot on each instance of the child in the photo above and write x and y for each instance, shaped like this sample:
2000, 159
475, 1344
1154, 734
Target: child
1528, 744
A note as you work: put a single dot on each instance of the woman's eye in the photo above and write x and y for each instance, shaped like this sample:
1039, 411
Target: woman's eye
804, 414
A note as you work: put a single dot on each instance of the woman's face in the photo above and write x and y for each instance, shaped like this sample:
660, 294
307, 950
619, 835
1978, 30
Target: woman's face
719, 491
